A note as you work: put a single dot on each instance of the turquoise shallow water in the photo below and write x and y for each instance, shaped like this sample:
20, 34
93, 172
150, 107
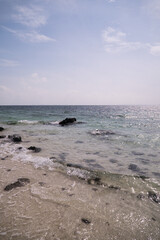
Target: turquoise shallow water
116, 139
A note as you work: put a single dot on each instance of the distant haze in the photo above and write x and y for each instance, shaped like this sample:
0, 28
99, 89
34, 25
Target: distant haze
79, 52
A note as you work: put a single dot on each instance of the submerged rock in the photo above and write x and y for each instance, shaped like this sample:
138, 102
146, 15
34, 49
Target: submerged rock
15, 138
67, 121
34, 149
137, 153
1, 129
134, 167
19, 183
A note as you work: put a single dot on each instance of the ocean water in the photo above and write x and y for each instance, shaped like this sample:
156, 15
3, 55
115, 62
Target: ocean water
105, 168
114, 139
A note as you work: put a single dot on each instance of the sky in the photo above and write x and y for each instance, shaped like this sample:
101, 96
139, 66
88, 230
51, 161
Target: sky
79, 52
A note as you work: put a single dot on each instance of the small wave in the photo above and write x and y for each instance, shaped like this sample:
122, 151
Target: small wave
118, 116
28, 122
53, 123
101, 132
11, 122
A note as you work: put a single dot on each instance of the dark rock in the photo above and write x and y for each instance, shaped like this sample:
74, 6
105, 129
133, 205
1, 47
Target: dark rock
34, 149
153, 219
19, 183
114, 187
1, 129
4, 158
134, 167
67, 121
95, 180
20, 148
74, 165
140, 196
42, 184
15, 138
112, 160
154, 197
143, 177
86, 221
95, 189
2, 136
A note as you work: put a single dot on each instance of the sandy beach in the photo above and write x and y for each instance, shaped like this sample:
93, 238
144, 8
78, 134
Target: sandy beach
54, 205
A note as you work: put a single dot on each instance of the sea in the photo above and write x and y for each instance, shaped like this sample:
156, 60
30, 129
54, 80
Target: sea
115, 139
109, 165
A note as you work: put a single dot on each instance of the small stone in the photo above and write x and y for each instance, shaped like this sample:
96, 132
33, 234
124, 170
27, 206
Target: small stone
86, 221
95, 180
114, 187
34, 149
154, 197
1, 129
15, 138
140, 196
2, 136
41, 184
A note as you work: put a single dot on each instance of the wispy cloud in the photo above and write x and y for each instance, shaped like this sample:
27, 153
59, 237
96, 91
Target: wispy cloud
8, 63
115, 41
32, 16
36, 78
31, 36
155, 49
111, 1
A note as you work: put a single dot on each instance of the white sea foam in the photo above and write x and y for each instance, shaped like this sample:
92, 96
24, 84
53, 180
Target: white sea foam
54, 123
19, 153
27, 122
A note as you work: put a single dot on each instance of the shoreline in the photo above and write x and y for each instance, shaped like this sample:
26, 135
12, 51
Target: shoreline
54, 205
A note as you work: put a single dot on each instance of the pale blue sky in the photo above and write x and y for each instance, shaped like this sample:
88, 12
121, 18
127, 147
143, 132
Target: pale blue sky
79, 52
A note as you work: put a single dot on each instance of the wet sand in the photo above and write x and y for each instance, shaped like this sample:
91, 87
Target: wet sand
56, 206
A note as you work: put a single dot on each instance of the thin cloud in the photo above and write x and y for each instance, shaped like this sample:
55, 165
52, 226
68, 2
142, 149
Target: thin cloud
32, 36
155, 50
36, 78
8, 63
32, 16
111, 1
115, 41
